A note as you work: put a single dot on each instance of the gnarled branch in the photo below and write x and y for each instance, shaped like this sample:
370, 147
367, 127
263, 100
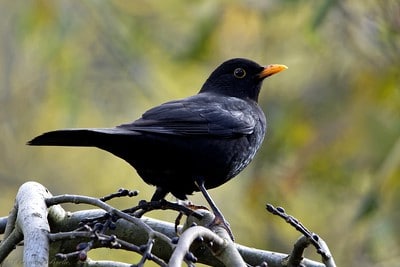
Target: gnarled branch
47, 229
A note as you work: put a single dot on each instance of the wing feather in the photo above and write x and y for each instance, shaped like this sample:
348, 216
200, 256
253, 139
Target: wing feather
203, 114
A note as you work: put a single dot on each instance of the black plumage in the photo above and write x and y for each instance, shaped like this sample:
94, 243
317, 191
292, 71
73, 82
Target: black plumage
205, 139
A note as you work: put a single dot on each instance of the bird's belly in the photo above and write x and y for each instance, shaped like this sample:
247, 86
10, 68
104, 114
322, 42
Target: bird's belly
172, 162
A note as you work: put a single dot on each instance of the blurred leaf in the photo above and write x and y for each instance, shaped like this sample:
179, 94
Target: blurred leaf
331, 154
369, 205
322, 12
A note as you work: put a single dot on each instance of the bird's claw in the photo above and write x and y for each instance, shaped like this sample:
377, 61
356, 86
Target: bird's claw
219, 220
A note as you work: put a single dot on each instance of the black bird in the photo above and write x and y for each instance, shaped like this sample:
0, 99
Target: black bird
196, 143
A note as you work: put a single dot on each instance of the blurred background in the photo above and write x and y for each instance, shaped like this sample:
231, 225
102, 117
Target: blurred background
331, 156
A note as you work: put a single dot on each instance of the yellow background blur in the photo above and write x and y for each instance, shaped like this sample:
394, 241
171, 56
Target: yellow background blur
331, 156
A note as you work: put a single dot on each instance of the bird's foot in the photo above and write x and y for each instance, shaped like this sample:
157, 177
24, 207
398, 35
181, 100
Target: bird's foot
146, 206
220, 220
191, 206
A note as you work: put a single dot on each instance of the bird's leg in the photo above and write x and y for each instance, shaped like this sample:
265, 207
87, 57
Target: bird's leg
159, 194
219, 218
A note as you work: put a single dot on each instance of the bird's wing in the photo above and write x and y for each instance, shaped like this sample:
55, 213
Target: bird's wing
227, 117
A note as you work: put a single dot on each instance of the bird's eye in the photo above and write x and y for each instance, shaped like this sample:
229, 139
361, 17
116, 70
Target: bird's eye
239, 73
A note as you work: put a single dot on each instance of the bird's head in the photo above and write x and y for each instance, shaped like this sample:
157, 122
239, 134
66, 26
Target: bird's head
240, 78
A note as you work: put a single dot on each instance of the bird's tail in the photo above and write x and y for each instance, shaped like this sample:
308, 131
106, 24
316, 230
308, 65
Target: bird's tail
80, 137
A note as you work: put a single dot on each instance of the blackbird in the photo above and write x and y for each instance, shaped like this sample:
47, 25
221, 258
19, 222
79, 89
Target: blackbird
196, 143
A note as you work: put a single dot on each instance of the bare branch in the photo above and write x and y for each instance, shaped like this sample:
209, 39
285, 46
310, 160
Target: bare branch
9, 243
309, 238
255, 257
32, 220
92, 263
223, 249
76, 199
146, 206
3, 223
120, 193
76, 233
12, 218
296, 256
12, 235
328, 260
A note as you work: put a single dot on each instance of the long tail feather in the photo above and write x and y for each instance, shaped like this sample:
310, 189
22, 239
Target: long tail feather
79, 137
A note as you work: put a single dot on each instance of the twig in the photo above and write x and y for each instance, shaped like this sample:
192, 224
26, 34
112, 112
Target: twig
3, 224
76, 199
12, 218
120, 193
12, 234
216, 238
255, 257
99, 228
103, 240
8, 244
309, 238
146, 252
92, 263
146, 206
222, 248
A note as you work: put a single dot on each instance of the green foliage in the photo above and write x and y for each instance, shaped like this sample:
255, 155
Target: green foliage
331, 156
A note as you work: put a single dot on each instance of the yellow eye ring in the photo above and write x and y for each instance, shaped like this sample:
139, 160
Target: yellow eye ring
239, 73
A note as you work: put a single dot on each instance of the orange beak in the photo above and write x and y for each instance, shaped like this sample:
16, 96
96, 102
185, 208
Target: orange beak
271, 70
